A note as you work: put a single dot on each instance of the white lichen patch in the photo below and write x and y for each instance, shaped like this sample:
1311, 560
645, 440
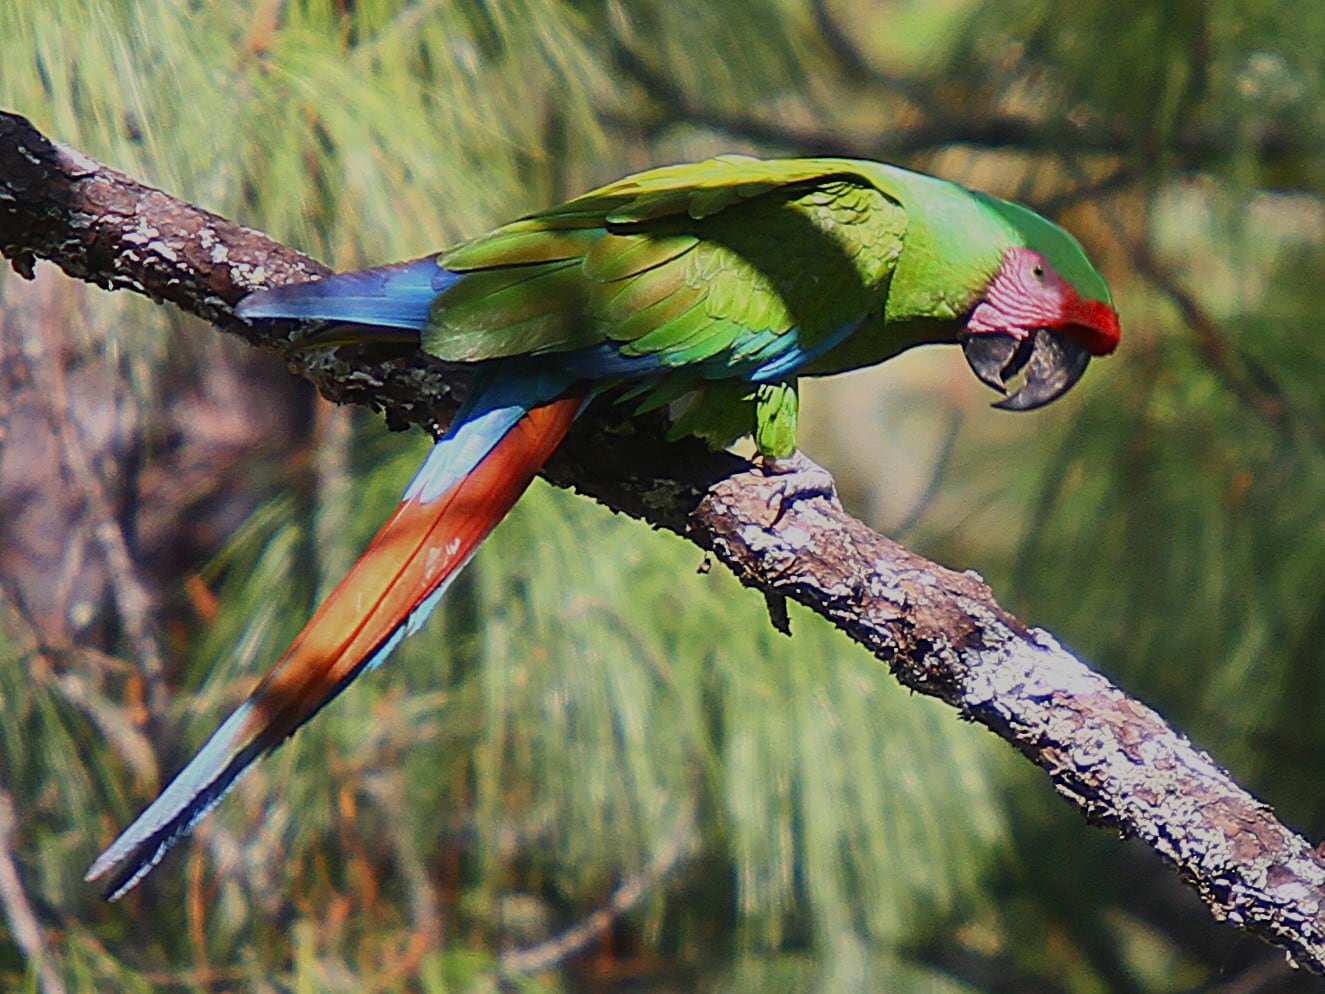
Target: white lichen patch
797, 537
163, 249
144, 234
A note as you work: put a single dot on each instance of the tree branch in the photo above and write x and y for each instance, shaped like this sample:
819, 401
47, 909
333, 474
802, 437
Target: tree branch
680, 843
940, 632
1195, 146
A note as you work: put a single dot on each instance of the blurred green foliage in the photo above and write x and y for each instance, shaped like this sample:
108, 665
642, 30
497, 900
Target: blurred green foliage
589, 714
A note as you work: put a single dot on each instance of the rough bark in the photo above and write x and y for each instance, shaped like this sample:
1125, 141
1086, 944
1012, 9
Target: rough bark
941, 632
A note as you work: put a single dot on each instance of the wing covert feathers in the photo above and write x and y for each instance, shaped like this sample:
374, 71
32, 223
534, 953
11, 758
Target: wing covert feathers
681, 263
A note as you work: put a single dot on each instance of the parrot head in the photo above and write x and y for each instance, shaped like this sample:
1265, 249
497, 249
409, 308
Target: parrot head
1033, 326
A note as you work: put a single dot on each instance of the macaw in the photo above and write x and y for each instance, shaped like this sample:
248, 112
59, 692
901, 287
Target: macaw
723, 281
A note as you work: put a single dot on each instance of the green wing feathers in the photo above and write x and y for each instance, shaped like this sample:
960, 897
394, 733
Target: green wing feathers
683, 263
509, 311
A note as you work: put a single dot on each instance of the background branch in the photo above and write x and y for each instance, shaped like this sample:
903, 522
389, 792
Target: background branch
941, 632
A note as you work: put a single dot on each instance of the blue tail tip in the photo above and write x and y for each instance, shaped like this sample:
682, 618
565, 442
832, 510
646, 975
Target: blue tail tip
257, 304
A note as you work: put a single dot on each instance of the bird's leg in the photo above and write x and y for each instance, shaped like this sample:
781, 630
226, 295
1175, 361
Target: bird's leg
777, 407
777, 413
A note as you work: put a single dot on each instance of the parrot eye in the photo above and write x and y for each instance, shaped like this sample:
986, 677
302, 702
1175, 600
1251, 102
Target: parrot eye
1038, 271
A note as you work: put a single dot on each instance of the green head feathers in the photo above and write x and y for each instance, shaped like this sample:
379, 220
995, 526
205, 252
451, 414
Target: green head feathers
1062, 251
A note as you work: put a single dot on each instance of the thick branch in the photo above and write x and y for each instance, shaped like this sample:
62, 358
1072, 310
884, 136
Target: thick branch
941, 632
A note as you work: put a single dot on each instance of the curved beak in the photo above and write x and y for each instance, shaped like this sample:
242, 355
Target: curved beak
1047, 362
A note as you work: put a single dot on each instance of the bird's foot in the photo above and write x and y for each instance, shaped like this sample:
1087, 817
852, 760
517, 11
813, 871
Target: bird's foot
795, 477
798, 478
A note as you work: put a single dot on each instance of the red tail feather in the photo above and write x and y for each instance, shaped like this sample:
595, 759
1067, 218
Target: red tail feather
425, 543
421, 546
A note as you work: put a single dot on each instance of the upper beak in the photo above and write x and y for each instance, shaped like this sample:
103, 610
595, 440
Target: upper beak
1049, 362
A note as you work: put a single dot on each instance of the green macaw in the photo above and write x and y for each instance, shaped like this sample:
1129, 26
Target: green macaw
724, 280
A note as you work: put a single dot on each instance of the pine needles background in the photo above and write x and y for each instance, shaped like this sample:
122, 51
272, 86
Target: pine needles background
594, 722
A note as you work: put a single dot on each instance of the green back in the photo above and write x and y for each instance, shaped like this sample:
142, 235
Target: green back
720, 267
686, 263
692, 261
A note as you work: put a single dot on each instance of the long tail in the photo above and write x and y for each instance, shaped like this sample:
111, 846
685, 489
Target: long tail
468, 483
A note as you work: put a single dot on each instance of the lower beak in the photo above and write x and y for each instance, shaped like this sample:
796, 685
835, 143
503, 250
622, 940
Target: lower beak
1047, 363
